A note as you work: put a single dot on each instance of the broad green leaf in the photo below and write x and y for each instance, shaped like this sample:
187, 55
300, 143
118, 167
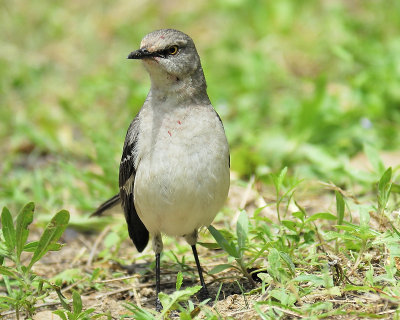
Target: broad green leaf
285, 297
385, 179
346, 236
242, 228
321, 215
285, 257
291, 225
318, 281
384, 188
76, 302
209, 245
179, 280
224, 244
265, 277
88, 312
350, 287
220, 268
350, 228
278, 179
61, 297
61, 314
169, 302
274, 263
298, 215
31, 246
340, 205
8, 229
24, 219
258, 210
51, 235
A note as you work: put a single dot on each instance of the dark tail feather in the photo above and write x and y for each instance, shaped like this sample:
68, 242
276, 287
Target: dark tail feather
110, 203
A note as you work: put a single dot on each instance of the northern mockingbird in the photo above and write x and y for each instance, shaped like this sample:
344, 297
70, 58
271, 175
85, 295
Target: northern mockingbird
174, 170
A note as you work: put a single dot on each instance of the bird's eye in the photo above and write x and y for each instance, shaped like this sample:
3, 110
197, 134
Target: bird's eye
173, 50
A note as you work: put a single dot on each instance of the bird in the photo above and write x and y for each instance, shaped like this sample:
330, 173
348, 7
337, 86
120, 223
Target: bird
174, 173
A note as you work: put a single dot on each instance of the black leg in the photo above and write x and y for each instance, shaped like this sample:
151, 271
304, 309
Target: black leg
158, 302
203, 292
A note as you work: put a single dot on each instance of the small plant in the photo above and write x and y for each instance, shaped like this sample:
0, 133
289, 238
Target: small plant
278, 181
179, 300
77, 313
235, 247
24, 287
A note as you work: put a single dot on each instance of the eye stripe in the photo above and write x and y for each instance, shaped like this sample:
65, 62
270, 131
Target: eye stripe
170, 51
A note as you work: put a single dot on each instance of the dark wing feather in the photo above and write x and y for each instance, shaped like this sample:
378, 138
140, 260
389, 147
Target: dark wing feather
137, 231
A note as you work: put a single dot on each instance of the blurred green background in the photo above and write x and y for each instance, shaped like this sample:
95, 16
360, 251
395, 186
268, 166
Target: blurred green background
304, 84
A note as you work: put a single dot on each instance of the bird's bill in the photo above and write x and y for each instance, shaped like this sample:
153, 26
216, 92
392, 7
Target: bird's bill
141, 54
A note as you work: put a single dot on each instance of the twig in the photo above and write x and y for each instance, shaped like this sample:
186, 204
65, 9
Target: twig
78, 257
136, 296
387, 312
73, 285
332, 186
99, 296
141, 285
96, 243
118, 279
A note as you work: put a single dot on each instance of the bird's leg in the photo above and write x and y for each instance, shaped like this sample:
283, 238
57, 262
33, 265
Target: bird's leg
203, 292
157, 247
192, 239
158, 302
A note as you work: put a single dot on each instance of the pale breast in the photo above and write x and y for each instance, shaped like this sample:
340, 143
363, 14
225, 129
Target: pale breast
182, 176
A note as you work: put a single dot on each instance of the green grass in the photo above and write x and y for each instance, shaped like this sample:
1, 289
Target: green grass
308, 85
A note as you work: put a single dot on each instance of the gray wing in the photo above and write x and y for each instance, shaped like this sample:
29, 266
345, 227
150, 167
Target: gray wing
137, 231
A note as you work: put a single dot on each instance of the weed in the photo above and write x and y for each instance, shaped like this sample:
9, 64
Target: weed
24, 287
77, 313
235, 247
179, 300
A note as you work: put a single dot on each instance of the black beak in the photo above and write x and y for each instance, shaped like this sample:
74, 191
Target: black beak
141, 54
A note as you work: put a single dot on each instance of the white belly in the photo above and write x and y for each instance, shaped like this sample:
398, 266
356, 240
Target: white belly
182, 181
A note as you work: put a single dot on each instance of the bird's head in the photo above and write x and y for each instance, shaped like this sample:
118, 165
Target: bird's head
169, 56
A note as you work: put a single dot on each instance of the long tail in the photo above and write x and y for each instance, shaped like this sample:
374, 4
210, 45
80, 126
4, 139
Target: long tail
110, 203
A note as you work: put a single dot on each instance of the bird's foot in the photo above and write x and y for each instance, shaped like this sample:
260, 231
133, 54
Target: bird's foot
159, 306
